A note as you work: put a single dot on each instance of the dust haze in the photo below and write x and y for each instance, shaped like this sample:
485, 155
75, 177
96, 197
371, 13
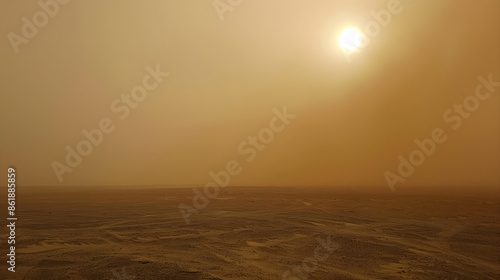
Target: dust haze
240, 139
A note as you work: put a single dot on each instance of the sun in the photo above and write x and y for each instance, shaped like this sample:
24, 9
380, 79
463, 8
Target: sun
350, 39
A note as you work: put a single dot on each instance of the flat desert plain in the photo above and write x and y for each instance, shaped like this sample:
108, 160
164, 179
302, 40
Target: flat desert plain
254, 233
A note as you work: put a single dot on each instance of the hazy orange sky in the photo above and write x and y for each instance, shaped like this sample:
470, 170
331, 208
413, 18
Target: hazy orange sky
353, 119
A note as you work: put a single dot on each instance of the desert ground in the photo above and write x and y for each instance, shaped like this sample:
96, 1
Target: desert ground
254, 233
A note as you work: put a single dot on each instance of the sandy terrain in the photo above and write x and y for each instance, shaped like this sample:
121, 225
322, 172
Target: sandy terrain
254, 233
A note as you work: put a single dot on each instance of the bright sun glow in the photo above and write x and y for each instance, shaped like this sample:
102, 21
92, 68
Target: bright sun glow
350, 39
